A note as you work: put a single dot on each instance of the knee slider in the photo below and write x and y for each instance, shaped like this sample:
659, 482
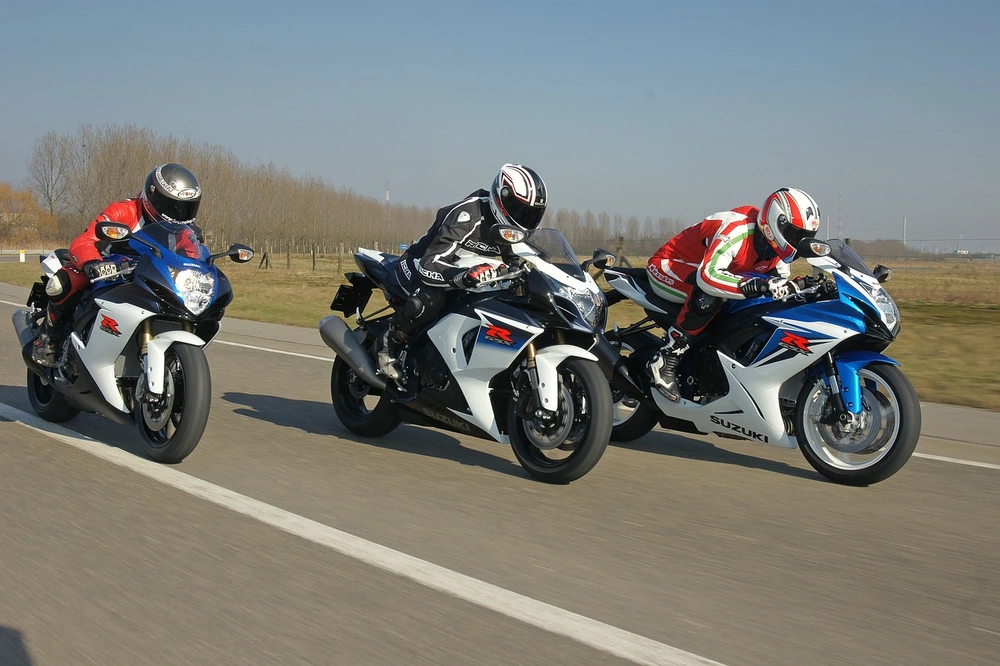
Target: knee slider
57, 286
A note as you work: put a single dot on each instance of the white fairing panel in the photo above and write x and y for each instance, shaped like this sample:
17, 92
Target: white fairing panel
752, 409
113, 327
498, 342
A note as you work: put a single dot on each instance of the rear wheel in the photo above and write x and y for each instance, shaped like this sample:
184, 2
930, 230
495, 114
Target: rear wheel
172, 424
47, 402
632, 419
360, 407
872, 447
565, 447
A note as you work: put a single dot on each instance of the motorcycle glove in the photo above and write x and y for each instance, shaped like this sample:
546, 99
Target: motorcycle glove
478, 275
96, 269
778, 288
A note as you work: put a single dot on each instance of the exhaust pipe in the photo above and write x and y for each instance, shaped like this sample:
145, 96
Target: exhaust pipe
26, 337
345, 343
22, 327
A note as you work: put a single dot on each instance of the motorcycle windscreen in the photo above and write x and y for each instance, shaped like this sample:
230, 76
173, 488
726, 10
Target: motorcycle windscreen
555, 249
176, 237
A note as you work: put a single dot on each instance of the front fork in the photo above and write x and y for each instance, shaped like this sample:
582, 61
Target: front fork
840, 413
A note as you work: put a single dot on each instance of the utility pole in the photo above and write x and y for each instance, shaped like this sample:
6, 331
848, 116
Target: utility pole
840, 217
904, 233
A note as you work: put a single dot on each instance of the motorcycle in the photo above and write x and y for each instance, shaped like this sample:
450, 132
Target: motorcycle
133, 349
507, 361
806, 371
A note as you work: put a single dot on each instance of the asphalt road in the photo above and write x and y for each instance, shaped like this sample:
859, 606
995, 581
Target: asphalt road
673, 548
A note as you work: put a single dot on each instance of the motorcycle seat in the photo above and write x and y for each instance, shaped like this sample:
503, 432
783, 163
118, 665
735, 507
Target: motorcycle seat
382, 272
640, 278
63, 255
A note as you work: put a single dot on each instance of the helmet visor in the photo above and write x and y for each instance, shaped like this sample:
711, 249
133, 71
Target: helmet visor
522, 214
174, 209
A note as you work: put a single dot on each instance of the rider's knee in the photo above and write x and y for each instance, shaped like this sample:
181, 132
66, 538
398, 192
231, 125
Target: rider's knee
58, 287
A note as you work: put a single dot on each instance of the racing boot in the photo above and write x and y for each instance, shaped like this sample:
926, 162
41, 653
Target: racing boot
389, 363
663, 366
46, 347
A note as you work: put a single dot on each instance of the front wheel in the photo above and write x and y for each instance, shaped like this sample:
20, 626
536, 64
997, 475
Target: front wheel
171, 424
47, 402
565, 447
873, 447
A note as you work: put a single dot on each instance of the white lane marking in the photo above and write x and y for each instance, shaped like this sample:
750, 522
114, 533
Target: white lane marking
957, 461
273, 351
603, 637
16, 305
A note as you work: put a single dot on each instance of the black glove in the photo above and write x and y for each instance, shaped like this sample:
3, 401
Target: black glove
96, 269
477, 275
754, 287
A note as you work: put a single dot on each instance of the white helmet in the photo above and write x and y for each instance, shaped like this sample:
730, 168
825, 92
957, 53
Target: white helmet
787, 216
518, 197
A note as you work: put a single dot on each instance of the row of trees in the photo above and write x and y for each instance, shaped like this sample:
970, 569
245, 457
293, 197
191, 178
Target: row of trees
75, 175
22, 219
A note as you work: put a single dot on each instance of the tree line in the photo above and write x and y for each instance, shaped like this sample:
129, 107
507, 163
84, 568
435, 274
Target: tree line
75, 175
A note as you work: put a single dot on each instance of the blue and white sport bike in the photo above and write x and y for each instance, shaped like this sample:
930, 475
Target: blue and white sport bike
132, 351
807, 371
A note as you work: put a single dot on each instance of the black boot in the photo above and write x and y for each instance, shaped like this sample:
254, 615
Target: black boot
46, 347
663, 366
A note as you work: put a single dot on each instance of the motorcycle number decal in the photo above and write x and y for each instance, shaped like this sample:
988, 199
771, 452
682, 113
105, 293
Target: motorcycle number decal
498, 335
795, 343
109, 325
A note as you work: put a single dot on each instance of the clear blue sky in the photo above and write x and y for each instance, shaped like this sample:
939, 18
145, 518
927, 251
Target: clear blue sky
636, 107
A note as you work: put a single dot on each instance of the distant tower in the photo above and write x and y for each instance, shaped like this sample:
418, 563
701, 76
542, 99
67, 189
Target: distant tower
386, 193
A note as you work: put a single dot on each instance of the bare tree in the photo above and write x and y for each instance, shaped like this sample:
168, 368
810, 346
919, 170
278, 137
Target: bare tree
48, 168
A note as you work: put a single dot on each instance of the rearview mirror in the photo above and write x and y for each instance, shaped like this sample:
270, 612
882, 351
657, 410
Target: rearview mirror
810, 247
240, 253
112, 232
602, 259
882, 273
503, 234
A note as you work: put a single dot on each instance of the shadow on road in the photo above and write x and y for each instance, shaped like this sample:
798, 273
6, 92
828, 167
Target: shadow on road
13, 651
319, 418
670, 444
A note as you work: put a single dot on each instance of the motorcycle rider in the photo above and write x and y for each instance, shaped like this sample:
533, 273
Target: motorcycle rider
171, 193
427, 270
698, 267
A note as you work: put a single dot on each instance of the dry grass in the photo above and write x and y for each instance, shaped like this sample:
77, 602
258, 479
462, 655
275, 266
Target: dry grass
948, 345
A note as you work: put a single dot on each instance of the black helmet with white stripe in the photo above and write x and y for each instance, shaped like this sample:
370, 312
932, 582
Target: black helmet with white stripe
171, 194
518, 197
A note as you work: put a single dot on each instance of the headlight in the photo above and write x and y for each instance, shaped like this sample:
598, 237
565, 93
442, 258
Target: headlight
591, 305
196, 288
887, 306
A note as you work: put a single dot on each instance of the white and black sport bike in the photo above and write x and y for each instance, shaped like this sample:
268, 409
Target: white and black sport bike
507, 361
132, 351
806, 371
